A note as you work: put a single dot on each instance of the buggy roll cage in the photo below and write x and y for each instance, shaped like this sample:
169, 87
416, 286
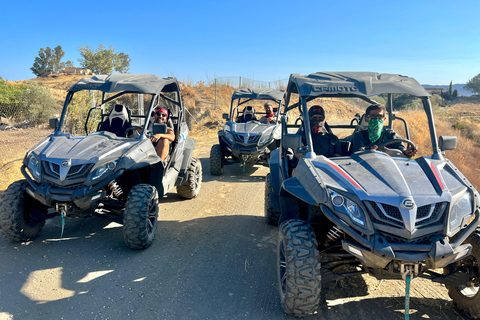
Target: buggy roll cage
357, 85
125, 84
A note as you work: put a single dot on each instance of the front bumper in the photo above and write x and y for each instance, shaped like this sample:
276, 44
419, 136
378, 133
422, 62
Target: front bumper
84, 197
251, 151
377, 252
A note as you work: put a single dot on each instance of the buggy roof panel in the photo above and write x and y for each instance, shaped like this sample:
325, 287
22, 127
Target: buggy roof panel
259, 94
354, 83
138, 83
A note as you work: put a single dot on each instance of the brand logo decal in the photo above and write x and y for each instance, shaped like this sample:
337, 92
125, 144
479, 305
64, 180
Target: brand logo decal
407, 204
65, 163
334, 89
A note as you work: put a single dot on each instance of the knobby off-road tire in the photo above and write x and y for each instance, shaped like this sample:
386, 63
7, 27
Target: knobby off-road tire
140, 216
216, 160
298, 268
15, 219
191, 187
271, 215
467, 299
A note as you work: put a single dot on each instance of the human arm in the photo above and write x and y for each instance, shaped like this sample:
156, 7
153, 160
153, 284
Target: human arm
169, 135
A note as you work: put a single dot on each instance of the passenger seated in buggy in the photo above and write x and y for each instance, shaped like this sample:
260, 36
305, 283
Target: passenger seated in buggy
248, 114
325, 143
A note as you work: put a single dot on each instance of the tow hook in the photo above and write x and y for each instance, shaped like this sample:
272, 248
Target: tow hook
407, 271
62, 208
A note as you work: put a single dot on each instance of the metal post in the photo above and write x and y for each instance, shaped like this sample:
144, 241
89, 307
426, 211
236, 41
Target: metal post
240, 83
215, 93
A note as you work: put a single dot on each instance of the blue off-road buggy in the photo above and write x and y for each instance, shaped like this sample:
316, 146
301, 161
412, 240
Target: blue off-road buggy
244, 138
113, 172
373, 212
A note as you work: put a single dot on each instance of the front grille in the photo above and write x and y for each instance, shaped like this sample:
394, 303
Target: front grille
392, 218
427, 215
251, 139
51, 169
78, 171
437, 216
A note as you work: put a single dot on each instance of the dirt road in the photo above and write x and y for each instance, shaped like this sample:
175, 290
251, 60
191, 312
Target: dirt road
213, 258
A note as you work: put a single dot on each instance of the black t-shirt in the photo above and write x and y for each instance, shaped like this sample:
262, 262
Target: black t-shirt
324, 143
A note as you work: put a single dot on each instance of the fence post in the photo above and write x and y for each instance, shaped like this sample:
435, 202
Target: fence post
240, 83
215, 93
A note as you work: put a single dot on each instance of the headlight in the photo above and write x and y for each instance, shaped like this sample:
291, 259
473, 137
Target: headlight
103, 169
264, 139
229, 136
348, 207
462, 208
34, 166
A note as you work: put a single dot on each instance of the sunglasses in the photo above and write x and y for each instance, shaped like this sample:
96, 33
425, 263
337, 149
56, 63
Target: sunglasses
160, 114
376, 116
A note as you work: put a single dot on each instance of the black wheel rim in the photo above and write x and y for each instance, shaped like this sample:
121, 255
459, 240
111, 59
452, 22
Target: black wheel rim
282, 265
152, 216
197, 177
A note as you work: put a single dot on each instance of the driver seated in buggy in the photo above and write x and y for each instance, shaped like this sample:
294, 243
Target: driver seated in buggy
376, 134
161, 141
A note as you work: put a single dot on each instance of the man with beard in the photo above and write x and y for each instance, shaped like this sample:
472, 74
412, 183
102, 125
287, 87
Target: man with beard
161, 141
268, 118
376, 133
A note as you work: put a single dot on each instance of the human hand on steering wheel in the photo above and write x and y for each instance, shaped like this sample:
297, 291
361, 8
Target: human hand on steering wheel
409, 152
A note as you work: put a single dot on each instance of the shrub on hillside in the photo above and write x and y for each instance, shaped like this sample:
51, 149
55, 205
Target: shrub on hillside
37, 103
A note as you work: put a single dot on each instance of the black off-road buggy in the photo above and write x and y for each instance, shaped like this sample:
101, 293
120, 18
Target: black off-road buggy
373, 212
113, 172
243, 138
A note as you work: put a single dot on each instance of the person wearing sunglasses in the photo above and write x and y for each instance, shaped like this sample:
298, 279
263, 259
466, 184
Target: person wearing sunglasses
268, 118
325, 143
161, 141
376, 133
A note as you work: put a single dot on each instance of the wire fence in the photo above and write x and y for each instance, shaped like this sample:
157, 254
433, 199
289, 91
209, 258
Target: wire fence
11, 111
242, 82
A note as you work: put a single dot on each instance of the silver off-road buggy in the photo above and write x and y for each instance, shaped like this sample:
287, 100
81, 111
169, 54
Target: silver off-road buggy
113, 172
373, 212
244, 138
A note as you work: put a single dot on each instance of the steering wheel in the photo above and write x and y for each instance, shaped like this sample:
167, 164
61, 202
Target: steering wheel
132, 132
395, 152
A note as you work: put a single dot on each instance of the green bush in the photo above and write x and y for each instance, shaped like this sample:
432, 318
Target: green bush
37, 103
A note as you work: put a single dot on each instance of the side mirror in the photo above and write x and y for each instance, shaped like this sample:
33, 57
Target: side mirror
159, 128
53, 123
292, 140
225, 116
447, 142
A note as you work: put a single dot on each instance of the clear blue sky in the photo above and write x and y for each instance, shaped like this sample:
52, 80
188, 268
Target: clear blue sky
433, 41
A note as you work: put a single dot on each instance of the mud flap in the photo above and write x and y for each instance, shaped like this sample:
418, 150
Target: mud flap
289, 207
